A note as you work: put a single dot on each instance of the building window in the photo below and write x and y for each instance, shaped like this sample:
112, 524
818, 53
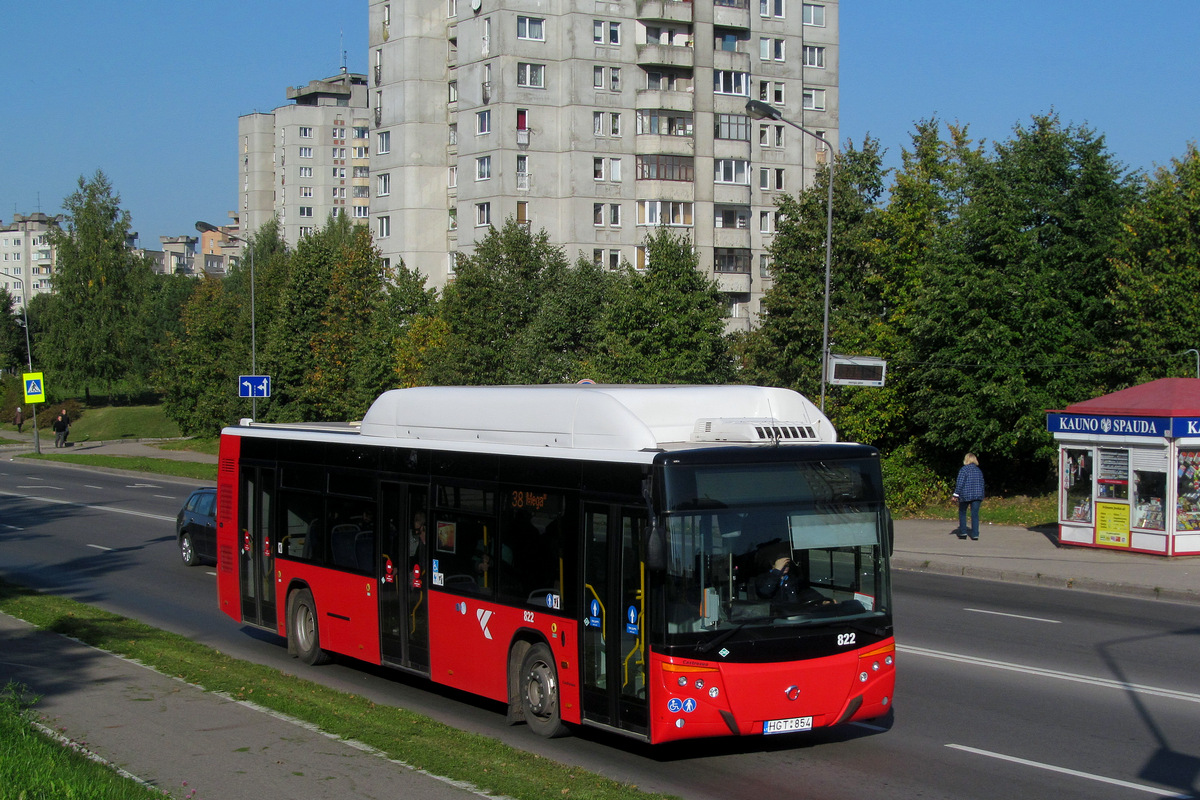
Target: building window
483, 168
597, 77
339, 133
362, 212
359, 172
737, 217
531, 75
730, 82
306, 132
306, 211
362, 133
306, 191
385, 227
452, 177
385, 185
383, 142
453, 87
733, 126
614, 170
598, 214
337, 152
814, 14
770, 49
814, 99
771, 92
666, 168
452, 134
664, 123
483, 122
614, 33
362, 152
339, 193
483, 214
614, 79
732, 170
664, 212
531, 28
771, 8
771, 179
453, 222
814, 56
731, 259
597, 169
306, 152
606, 32
614, 215
451, 9
305, 230
522, 211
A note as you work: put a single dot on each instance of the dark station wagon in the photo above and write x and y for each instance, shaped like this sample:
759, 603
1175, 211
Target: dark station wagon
196, 527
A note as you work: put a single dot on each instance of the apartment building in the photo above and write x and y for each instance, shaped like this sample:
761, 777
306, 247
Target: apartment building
27, 258
307, 160
596, 121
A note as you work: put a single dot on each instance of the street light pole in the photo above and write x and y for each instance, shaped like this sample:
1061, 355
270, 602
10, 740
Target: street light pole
37, 444
760, 110
205, 227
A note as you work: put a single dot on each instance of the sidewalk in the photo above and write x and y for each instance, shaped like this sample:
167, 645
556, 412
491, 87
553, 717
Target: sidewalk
182, 739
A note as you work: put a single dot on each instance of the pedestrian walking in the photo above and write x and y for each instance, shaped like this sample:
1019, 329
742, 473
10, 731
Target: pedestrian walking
968, 493
62, 425
19, 418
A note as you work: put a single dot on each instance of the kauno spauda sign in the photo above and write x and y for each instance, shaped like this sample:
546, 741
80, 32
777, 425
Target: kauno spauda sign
1108, 425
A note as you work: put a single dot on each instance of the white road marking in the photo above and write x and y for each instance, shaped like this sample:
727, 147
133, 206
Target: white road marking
1091, 680
1014, 616
165, 496
10, 527
41, 486
88, 505
1073, 772
142, 486
100, 547
90, 486
866, 725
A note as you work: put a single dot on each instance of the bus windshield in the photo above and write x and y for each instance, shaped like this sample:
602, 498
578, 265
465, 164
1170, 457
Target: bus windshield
778, 544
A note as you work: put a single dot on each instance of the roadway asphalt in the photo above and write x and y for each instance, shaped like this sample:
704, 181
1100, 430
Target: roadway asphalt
181, 739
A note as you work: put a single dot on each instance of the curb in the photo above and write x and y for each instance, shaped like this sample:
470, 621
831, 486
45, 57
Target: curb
1049, 581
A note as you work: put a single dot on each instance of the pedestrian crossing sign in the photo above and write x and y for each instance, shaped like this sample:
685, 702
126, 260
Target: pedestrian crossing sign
35, 387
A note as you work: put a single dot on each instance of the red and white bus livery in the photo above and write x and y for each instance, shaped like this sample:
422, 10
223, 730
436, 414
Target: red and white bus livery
666, 562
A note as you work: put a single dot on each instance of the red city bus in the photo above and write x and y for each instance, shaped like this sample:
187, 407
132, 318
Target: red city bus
666, 562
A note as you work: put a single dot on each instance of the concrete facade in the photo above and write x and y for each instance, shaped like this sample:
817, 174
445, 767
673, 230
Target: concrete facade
306, 160
596, 121
27, 259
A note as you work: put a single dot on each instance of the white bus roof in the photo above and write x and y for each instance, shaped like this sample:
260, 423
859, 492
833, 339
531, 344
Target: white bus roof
597, 417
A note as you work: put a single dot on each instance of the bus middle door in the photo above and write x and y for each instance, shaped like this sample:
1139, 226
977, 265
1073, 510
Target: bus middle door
613, 632
403, 564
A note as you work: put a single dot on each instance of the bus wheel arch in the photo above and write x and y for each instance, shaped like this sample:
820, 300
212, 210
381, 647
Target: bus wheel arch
539, 692
303, 629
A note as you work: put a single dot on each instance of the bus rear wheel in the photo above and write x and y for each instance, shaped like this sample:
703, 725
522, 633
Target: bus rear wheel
540, 699
303, 630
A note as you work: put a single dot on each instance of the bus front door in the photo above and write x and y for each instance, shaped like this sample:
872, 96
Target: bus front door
256, 574
403, 563
613, 632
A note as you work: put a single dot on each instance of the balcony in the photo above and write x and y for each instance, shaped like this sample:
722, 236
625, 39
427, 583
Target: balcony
665, 56
523, 181
670, 10
522, 137
666, 145
731, 13
733, 282
732, 238
485, 91
667, 99
378, 74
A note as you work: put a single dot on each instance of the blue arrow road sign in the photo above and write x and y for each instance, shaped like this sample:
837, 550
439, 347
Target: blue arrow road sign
254, 386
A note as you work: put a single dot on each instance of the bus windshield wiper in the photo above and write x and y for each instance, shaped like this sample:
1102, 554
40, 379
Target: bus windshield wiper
720, 638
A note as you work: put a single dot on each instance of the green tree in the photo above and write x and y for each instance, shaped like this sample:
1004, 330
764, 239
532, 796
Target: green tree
89, 336
492, 309
296, 321
786, 348
666, 325
198, 376
1014, 317
1156, 260
12, 335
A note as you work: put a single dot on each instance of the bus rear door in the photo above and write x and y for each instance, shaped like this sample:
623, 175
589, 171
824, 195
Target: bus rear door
402, 570
256, 574
613, 632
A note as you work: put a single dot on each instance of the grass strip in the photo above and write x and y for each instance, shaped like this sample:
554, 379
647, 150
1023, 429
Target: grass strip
36, 767
159, 466
403, 735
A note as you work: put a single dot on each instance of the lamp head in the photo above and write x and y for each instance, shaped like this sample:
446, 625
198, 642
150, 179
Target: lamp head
760, 110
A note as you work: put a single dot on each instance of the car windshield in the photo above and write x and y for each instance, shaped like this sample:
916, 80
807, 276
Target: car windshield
773, 545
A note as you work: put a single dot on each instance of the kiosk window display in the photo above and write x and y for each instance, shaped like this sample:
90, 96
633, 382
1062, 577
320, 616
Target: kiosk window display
1116, 455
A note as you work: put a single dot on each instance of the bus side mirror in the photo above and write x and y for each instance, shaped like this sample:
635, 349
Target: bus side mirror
656, 549
889, 531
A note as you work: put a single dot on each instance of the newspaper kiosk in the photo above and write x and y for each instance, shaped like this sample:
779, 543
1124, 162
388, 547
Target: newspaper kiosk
1129, 469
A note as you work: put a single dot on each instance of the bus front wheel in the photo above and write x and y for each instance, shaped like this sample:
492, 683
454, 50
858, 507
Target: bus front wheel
540, 699
303, 630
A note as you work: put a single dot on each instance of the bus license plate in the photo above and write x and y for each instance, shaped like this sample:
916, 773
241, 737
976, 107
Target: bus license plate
787, 725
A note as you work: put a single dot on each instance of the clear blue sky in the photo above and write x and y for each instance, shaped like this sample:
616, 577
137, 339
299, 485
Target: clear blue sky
150, 91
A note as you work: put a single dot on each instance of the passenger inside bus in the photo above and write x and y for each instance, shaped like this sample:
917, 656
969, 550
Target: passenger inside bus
782, 581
